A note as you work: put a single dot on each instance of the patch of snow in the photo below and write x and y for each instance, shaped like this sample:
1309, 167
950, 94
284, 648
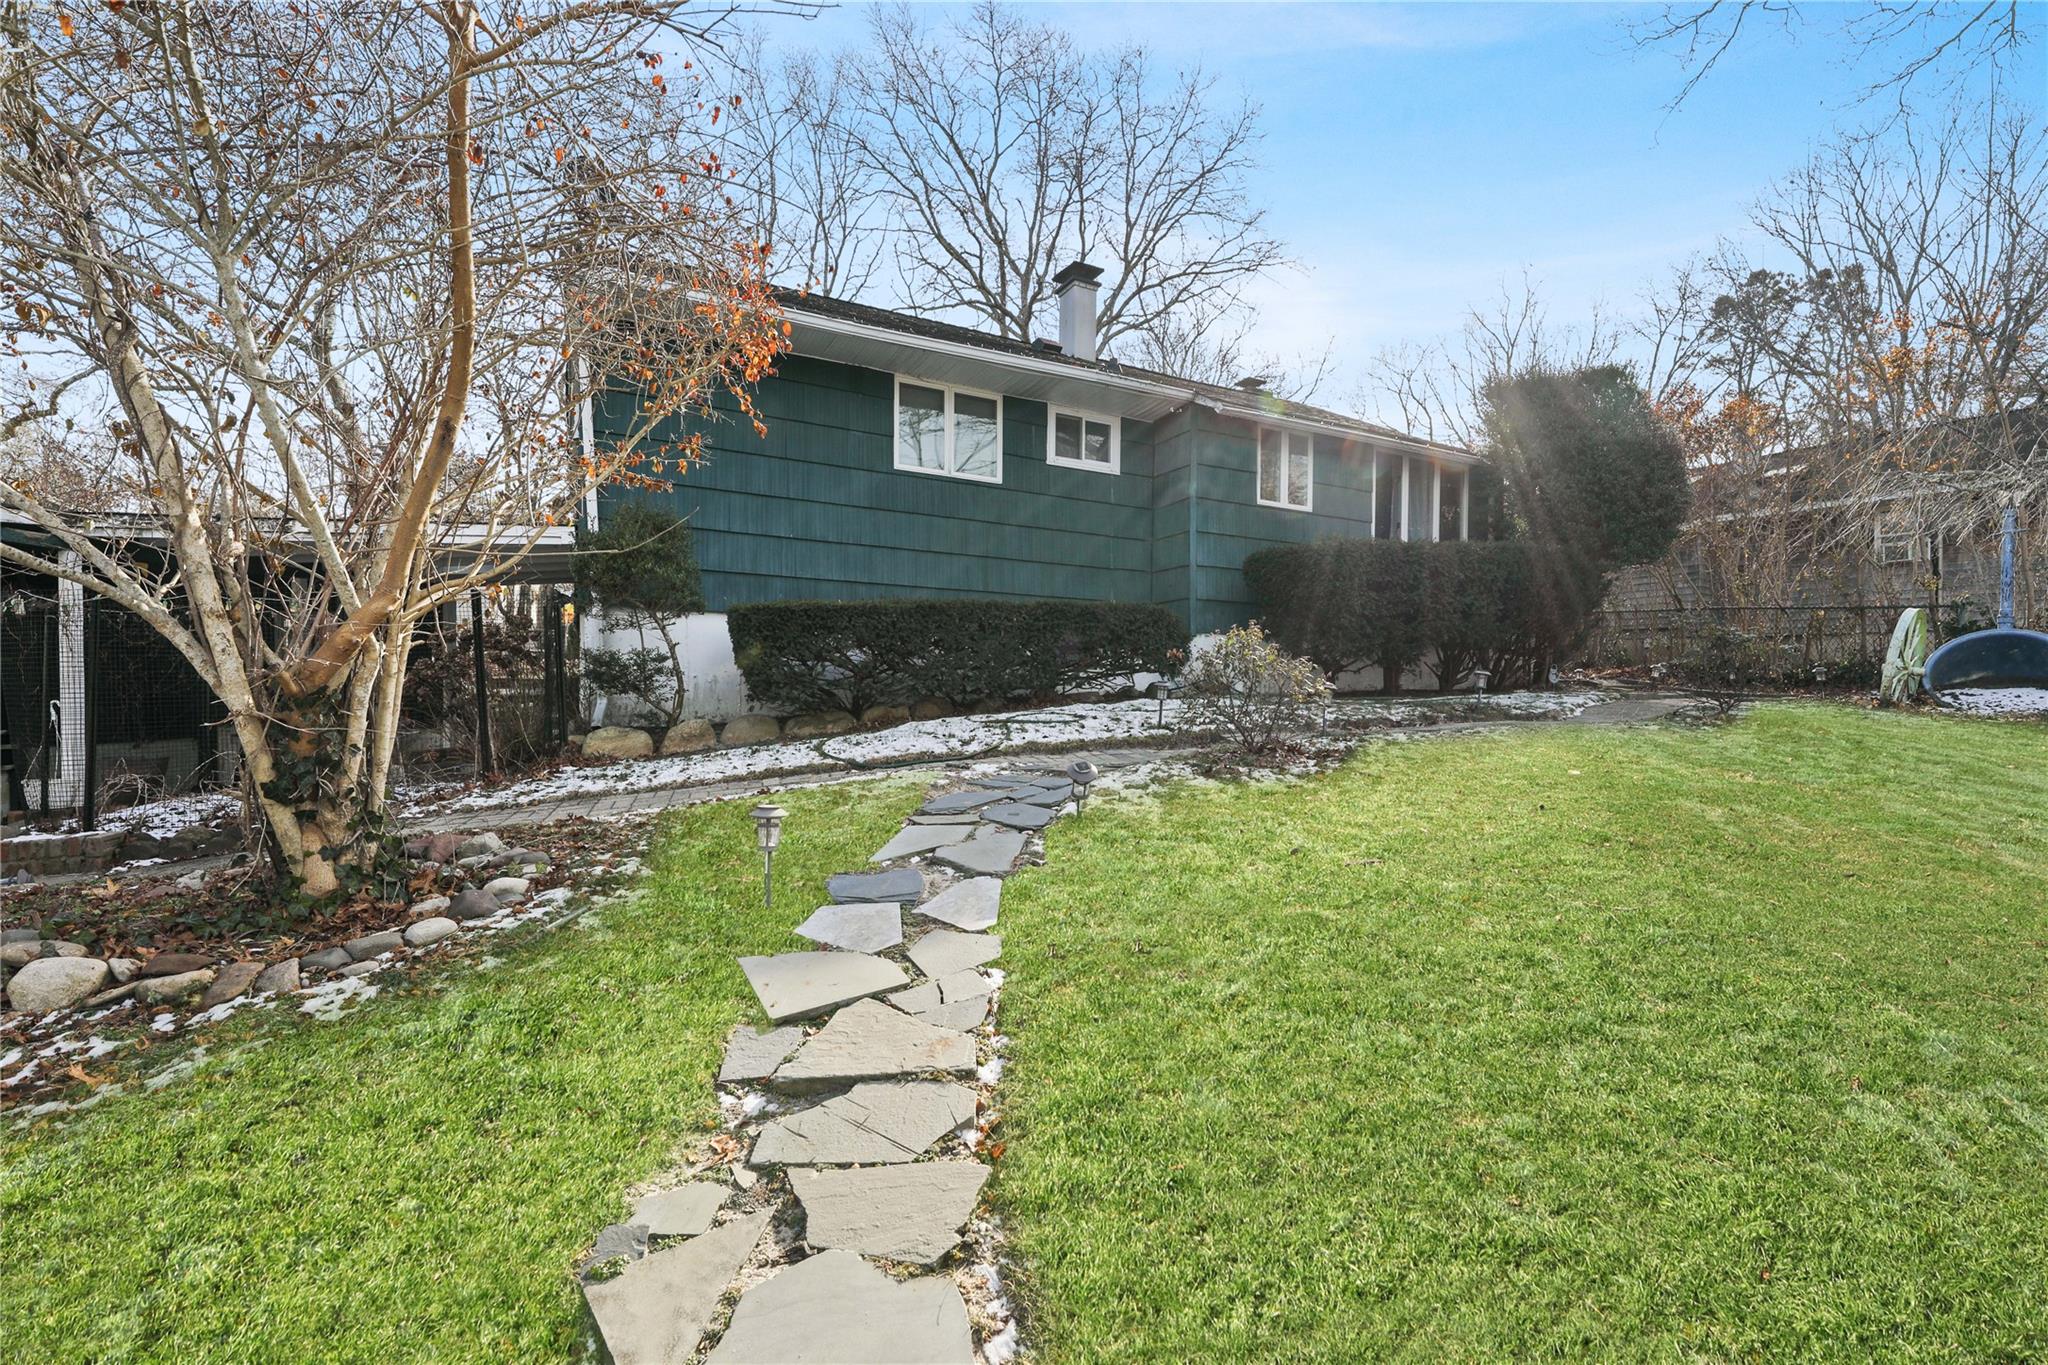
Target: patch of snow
990, 1071
327, 1000
102, 1046
1001, 1348
164, 1023
1998, 701
158, 819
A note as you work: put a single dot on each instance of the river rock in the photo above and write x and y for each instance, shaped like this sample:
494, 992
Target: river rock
166, 990
506, 890
326, 959
689, 737
819, 725
233, 981
174, 964
55, 983
618, 741
427, 932
369, 945
750, 730
471, 904
279, 977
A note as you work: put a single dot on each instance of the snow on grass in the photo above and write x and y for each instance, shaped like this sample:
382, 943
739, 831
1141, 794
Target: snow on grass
961, 738
640, 775
158, 819
1998, 701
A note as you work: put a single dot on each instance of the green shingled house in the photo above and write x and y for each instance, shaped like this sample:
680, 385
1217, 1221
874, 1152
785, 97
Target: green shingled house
906, 457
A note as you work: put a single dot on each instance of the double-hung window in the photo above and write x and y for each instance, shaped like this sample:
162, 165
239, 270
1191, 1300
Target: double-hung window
949, 431
1287, 469
1082, 440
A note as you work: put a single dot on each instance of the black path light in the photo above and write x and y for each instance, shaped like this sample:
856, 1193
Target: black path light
767, 834
1159, 692
1080, 773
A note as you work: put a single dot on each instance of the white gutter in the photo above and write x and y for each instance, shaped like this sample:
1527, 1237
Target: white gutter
1178, 395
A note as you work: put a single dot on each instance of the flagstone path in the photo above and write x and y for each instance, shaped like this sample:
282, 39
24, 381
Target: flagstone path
827, 1224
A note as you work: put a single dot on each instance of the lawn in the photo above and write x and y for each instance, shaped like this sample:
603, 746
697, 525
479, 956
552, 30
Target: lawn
1557, 1043
412, 1184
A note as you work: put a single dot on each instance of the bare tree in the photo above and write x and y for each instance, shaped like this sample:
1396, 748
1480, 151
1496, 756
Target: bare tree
337, 275
1891, 372
991, 152
813, 198
1939, 44
1433, 389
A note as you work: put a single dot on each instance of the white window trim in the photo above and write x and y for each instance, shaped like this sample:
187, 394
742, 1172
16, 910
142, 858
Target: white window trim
1116, 440
951, 391
1287, 439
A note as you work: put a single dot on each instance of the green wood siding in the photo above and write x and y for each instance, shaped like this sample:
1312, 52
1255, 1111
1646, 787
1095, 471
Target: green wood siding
816, 509
1231, 524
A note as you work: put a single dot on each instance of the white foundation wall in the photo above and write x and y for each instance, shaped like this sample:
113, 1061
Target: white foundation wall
712, 686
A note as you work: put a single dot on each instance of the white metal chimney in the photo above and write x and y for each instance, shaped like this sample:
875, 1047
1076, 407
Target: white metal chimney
1075, 286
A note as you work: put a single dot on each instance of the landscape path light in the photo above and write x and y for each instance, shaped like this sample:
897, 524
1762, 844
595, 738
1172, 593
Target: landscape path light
767, 834
1080, 773
1159, 692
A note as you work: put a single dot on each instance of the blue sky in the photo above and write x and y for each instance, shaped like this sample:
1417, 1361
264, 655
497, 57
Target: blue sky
1417, 154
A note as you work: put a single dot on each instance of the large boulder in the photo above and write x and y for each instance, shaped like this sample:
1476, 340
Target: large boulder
689, 737
750, 730
885, 715
932, 708
165, 990
618, 741
819, 725
55, 983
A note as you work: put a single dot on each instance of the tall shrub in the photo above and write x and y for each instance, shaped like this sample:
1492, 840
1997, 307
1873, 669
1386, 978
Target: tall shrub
1595, 479
641, 566
1459, 604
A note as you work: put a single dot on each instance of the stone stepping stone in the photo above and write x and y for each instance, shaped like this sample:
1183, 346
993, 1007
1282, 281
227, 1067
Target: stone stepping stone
657, 1309
915, 839
879, 1123
954, 802
963, 985
798, 985
1008, 781
943, 952
835, 1307
905, 1213
862, 927
685, 1211
1049, 794
919, 998
968, 904
1018, 815
961, 1015
903, 884
928, 1004
965, 817
751, 1055
986, 853
869, 1041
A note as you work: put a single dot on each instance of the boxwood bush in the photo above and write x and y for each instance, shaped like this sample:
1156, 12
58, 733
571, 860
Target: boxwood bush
1455, 605
814, 656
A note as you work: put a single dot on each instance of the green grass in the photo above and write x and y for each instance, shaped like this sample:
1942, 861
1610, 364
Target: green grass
413, 1184
1558, 1043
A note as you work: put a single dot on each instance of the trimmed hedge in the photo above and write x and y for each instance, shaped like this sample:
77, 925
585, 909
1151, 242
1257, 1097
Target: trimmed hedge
814, 656
1459, 605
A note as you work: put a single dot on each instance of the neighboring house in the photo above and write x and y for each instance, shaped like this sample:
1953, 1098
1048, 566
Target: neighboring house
1822, 551
912, 458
